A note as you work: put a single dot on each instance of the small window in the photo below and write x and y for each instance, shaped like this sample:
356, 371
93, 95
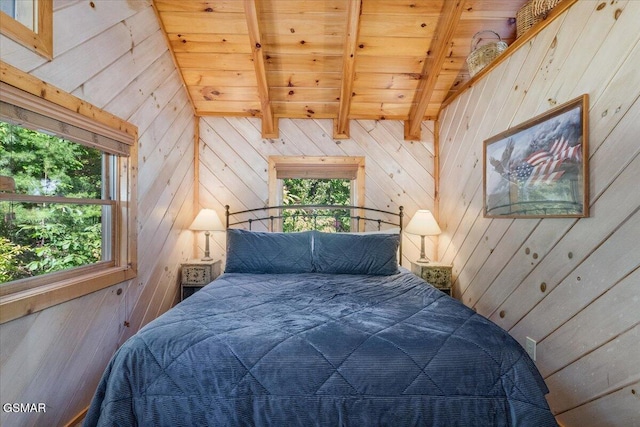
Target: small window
67, 202
317, 180
315, 191
30, 23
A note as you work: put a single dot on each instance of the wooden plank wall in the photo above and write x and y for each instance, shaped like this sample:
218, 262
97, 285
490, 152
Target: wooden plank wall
111, 54
234, 159
586, 317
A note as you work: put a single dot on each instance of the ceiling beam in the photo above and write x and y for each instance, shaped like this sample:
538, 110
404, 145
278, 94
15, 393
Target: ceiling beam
341, 124
449, 17
269, 123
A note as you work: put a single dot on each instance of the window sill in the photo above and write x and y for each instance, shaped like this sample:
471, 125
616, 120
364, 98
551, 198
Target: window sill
23, 303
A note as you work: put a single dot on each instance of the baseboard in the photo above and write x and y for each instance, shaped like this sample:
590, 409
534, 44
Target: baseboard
75, 421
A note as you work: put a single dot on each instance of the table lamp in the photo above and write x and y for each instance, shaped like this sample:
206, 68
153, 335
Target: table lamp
207, 221
423, 224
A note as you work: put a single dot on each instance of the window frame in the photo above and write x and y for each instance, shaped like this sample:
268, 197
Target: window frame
25, 296
316, 167
39, 41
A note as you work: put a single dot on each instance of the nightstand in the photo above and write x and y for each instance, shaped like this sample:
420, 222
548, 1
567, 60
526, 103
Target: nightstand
436, 274
196, 274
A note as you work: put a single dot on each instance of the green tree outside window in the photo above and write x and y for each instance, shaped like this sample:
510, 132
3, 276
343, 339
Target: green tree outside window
304, 191
39, 238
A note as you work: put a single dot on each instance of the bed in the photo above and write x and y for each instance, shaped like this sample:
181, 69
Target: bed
319, 329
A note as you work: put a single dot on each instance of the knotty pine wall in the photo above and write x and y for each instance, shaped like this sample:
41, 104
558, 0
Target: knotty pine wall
113, 55
586, 322
234, 166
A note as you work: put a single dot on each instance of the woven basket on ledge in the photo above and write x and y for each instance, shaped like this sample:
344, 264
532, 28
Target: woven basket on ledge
531, 13
542, 7
482, 56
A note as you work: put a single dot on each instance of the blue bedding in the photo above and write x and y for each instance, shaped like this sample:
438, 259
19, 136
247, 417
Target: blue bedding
315, 349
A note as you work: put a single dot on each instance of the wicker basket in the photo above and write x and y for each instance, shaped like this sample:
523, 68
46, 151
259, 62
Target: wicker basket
531, 13
482, 56
525, 19
542, 7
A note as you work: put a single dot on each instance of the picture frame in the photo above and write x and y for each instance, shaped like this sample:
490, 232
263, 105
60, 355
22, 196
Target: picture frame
539, 168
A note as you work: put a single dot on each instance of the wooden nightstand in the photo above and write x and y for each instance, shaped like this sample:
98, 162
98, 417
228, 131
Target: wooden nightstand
437, 274
196, 274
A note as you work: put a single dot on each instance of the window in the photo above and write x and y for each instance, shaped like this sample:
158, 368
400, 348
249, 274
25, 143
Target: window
316, 191
66, 202
335, 174
58, 217
30, 23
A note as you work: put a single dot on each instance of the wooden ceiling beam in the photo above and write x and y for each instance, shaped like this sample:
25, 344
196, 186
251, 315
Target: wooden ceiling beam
269, 122
341, 124
451, 12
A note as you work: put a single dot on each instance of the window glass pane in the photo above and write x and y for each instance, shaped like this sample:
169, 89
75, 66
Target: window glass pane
301, 191
45, 165
39, 238
43, 236
23, 11
8, 7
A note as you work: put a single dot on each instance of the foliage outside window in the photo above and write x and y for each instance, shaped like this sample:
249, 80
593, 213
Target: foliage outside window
301, 191
43, 235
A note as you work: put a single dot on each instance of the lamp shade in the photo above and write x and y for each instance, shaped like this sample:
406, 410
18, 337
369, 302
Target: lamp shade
423, 224
207, 220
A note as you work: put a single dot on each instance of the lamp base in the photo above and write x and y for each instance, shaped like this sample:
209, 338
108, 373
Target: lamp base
423, 258
207, 256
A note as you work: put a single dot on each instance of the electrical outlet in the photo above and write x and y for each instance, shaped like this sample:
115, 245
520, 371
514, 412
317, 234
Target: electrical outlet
530, 347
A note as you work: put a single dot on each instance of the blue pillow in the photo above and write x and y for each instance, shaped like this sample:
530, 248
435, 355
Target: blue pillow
262, 252
338, 253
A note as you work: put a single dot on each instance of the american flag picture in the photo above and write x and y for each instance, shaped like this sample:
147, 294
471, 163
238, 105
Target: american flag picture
538, 168
545, 166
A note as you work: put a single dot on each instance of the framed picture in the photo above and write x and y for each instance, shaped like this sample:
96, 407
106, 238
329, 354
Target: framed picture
540, 168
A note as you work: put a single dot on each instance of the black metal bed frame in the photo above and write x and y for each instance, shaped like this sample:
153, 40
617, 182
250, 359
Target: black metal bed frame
310, 211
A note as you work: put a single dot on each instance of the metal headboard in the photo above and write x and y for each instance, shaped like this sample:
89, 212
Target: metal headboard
310, 211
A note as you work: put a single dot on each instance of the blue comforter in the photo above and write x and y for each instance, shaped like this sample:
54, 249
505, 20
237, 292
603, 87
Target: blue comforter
320, 350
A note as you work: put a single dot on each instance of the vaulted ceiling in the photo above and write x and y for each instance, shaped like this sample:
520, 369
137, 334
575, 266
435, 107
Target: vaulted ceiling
337, 59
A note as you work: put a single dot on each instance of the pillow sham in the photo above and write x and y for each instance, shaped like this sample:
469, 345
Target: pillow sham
339, 253
264, 252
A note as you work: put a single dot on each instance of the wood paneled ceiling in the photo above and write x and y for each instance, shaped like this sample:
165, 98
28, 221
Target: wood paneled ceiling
337, 59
